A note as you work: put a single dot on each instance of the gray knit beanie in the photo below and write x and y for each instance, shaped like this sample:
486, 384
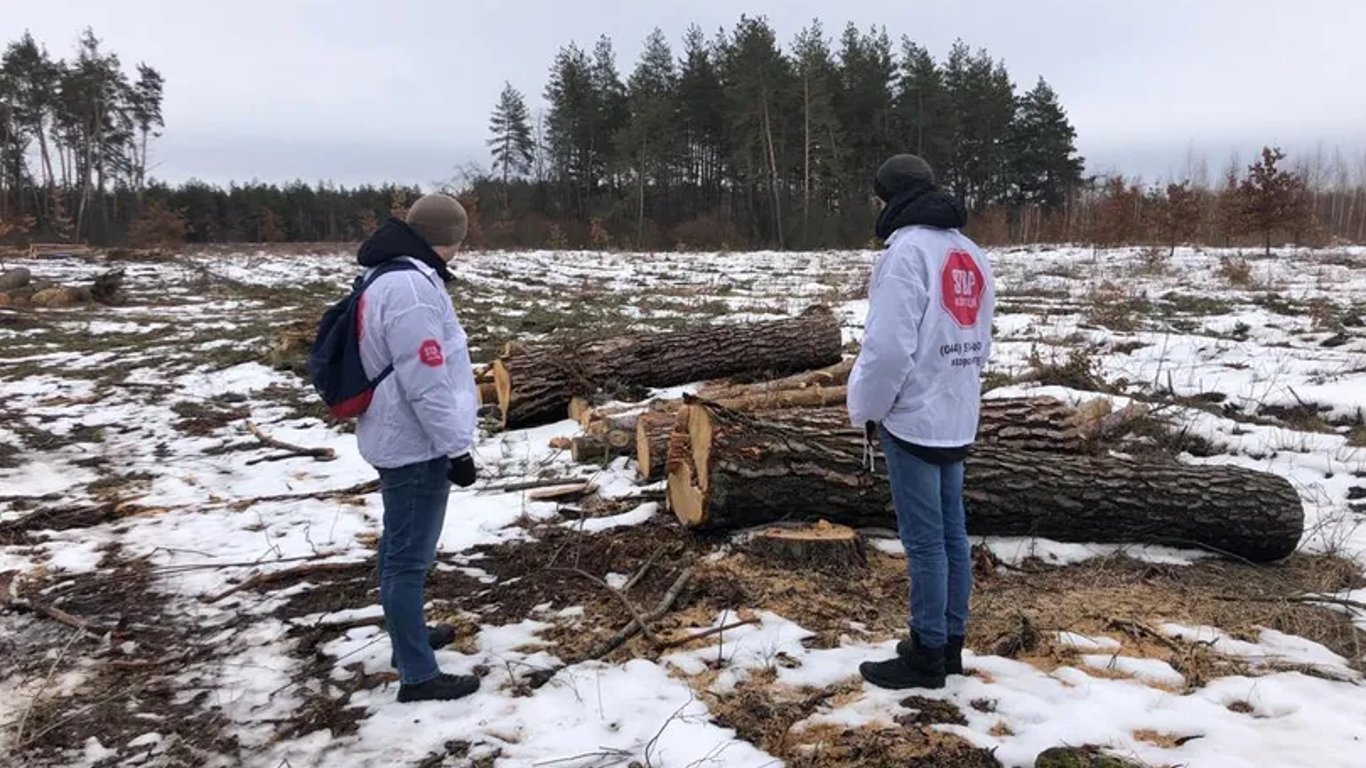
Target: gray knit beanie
899, 173
440, 219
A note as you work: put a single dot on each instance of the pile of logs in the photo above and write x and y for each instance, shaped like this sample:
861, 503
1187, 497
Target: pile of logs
19, 289
741, 453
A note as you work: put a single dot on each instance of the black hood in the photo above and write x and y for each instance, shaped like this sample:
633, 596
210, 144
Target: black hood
921, 204
395, 239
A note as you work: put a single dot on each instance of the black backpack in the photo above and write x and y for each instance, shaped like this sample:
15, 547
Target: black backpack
334, 363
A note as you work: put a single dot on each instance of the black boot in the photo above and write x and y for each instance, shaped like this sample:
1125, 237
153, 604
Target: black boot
443, 687
442, 635
920, 668
953, 653
438, 637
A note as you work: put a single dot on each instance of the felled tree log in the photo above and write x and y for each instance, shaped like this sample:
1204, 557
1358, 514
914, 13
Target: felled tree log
587, 448
836, 375
730, 470
18, 277
535, 385
653, 428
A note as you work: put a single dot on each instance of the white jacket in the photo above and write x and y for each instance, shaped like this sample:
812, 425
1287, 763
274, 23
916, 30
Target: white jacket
427, 407
926, 339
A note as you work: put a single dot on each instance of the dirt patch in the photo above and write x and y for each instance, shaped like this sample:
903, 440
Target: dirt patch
129, 687
1124, 599
930, 712
63, 518
202, 418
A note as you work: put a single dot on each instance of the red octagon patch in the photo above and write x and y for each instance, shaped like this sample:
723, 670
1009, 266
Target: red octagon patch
430, 353
962, 288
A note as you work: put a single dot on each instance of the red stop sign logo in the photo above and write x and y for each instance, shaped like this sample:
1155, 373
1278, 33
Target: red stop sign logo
962, 288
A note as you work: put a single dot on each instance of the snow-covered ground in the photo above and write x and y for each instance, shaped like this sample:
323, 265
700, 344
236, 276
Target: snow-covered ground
139, 412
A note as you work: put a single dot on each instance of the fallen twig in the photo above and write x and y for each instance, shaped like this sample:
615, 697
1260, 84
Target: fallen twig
641, 621
145, 663
1136, 627
52, 670
644, 569
56, 614
271, 577
359, 489
708, 633
529, 485
320, 454
630, 630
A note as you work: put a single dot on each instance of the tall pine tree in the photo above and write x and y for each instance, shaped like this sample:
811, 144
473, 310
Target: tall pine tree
817, 79
648, 140
1044, 166
924, 122
701, 120
572, 125
864, 103
510, 142
758, 83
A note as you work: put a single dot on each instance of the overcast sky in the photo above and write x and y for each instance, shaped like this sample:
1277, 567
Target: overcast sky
364, 90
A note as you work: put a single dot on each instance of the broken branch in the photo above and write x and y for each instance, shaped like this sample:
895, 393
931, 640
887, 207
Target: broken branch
319, 454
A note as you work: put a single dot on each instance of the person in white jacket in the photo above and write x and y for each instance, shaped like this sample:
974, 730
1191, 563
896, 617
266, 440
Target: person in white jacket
419, 427
916, 386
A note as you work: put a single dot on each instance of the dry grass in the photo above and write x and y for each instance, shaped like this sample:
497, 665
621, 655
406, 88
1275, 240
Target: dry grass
1153, 262
1111, 306
1160, 738
1357, 437
1237, 272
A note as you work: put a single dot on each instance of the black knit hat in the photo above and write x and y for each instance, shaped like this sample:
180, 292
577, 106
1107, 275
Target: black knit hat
899, 173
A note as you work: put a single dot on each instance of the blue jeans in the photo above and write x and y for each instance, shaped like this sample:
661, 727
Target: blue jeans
933, 528
414, 510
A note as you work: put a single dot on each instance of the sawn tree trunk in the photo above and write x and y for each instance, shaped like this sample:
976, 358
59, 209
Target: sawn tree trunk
536, 385
729, 470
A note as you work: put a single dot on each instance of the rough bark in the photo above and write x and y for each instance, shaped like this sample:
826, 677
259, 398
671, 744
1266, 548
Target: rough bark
652, 443
584, 411
653, 428
535, 385
836, 375
592, 448
729, 470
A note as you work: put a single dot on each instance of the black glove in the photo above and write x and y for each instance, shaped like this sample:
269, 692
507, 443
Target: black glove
462, 472
870, 433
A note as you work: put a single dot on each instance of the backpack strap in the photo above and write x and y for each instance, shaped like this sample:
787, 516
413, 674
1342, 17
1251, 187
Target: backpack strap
394, 265
363, 281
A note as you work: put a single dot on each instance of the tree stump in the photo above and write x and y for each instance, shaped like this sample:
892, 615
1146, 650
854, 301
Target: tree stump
819, 545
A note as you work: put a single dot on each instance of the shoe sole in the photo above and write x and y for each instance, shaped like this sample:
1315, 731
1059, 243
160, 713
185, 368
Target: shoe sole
460, 694
897, 686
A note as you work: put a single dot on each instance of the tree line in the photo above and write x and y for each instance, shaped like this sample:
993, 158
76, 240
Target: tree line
742, 141
733, 141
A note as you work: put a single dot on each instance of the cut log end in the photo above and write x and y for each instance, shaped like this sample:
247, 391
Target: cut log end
502, 387
687, 501
643, 452
820, 545
700, 431
579, 410
486, 393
